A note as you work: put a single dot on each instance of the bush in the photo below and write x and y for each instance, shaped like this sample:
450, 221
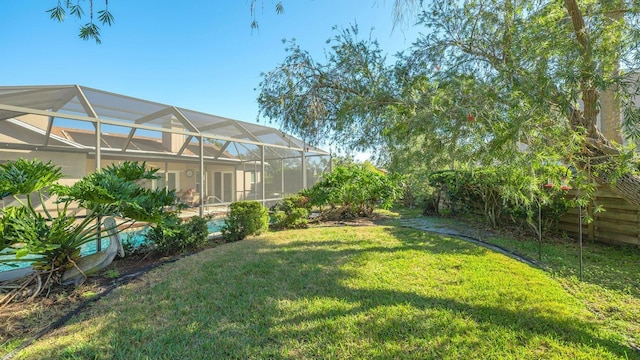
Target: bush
172, 236
291, 213
245, 218
504, 193
197, 231
133, 247
355, 190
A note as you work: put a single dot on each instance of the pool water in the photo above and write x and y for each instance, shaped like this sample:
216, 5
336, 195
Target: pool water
131, 238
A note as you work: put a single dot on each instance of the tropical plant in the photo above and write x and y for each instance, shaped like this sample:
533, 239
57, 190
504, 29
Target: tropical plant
245, 218
51, 240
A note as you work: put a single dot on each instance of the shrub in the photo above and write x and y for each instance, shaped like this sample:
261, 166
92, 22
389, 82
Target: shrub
355, 190
197, 231
172, 236
133, 246
291, 213
504, 193
245, 218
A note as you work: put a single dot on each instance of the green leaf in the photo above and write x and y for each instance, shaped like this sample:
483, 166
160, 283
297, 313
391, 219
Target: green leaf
90, 31
105, 17
76, 10
279, 8
20, 253
57, 13
24, 176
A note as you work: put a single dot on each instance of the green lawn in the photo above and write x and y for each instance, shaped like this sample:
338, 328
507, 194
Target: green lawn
380, 292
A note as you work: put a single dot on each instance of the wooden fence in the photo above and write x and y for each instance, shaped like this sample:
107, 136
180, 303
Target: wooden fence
618, 224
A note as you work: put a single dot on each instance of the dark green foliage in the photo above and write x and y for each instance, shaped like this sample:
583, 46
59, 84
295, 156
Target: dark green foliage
25, 176
54, 239
503, 193
291, 213
136, 248
245, 218
355, 190
115, 190
172, 235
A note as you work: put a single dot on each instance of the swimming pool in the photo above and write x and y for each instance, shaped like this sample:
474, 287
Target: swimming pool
131, 238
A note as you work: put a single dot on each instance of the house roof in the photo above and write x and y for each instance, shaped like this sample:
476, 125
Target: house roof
116, 142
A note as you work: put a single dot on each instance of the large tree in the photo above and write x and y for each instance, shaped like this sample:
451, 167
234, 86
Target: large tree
533, 72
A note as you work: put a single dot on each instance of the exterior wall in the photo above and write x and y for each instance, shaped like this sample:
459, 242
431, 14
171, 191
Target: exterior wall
611, 113
172, 141
243, 184
39, 121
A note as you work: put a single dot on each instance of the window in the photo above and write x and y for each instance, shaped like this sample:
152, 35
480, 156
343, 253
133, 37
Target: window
170, 180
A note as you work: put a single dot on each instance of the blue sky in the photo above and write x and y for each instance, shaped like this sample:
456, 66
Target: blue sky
200, 55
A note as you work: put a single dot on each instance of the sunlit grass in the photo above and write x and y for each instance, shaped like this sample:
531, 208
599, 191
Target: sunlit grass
339, 292
610, 285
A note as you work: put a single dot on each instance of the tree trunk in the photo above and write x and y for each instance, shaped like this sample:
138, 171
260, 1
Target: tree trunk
600, 161
599, 154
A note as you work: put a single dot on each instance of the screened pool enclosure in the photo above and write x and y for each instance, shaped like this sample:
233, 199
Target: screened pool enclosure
208, 160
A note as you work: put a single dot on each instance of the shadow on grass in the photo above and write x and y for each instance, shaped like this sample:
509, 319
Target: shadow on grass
239, 311
526, 323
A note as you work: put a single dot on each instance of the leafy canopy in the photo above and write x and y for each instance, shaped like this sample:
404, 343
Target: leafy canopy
485, 80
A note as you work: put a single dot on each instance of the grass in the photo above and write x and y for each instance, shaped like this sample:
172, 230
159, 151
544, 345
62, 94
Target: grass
610, 285
359, 292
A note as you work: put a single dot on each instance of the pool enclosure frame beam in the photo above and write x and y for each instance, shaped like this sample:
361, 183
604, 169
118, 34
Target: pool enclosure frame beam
186, 128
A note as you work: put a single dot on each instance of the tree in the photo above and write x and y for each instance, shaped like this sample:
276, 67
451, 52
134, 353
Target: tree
516, 69
352, 191
578, 50
344, 100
